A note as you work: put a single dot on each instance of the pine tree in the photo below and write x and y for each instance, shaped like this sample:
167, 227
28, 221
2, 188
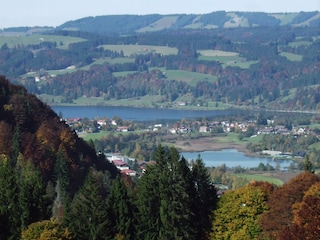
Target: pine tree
120, 210
9, 207
147, 203
16, 142
62, 186
165, 199
88, 211
204, 199
31, 192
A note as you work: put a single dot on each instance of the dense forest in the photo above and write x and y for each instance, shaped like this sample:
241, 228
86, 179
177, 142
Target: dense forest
55, 185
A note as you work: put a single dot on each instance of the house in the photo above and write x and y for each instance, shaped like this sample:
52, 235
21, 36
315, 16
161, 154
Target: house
301, 131
143, 165
129, 172
122, 129
203, 129
267, 130
173, 130
121, 165
101, 122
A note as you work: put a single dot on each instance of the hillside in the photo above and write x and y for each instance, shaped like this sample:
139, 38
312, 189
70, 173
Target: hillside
30, 130
268, 61
149, 23
129, 24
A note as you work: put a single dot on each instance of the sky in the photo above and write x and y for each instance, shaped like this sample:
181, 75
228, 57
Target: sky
17, 13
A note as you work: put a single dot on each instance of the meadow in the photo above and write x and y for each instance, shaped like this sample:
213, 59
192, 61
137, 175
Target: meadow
62, 41
225, 58
129, 50
291, 56
262, 178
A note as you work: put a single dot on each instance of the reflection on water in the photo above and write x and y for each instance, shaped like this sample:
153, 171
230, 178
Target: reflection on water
233, 158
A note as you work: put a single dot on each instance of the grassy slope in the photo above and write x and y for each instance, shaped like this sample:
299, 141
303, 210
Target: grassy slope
162, 23
226, 58
129, 50
37, 39
257, 177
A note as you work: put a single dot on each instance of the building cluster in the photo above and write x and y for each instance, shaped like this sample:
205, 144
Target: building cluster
126, 164
89, 126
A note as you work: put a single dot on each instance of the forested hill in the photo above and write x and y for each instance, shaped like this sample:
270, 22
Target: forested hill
128, 24
162, 61
115, 24
30, 131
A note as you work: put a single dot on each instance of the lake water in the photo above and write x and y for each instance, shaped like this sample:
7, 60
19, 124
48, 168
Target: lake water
136, 114
232, 158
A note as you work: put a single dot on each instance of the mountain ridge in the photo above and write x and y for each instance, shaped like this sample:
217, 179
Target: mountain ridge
131, 23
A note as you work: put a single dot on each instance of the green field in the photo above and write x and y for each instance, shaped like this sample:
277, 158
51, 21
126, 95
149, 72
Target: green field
62, 41
255, 177
292, 57
231, 59
298, 43
94, 136
285, 18
233, 138
162, 23
129, 50
190, 77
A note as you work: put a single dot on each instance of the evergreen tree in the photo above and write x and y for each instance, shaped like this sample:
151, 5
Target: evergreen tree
166, 199
178, 199
31, 192
16, 144
62, 186
204, 199
9, 208
120, 210
88, 211
147, 203
307, 165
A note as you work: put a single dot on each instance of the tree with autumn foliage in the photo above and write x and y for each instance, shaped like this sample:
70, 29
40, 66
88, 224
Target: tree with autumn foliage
46, 229
238, 212
306, 217
281, 202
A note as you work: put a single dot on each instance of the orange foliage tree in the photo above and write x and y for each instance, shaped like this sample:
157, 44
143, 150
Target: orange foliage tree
280, 203
306, 219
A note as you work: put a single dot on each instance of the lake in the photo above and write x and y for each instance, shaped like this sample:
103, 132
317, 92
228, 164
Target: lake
137, 114
232, 158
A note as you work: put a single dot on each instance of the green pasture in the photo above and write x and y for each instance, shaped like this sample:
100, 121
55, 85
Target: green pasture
62, 41
231, 59
234, 138
190, 77
292, 57
285, 18
99, 61
129, 50
94, 136
299, 43
105, 60
123, 74
263, 178
162, 23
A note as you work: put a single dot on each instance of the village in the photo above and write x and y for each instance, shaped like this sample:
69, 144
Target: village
131, 167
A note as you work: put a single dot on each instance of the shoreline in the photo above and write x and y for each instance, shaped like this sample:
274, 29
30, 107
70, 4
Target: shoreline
208, 144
